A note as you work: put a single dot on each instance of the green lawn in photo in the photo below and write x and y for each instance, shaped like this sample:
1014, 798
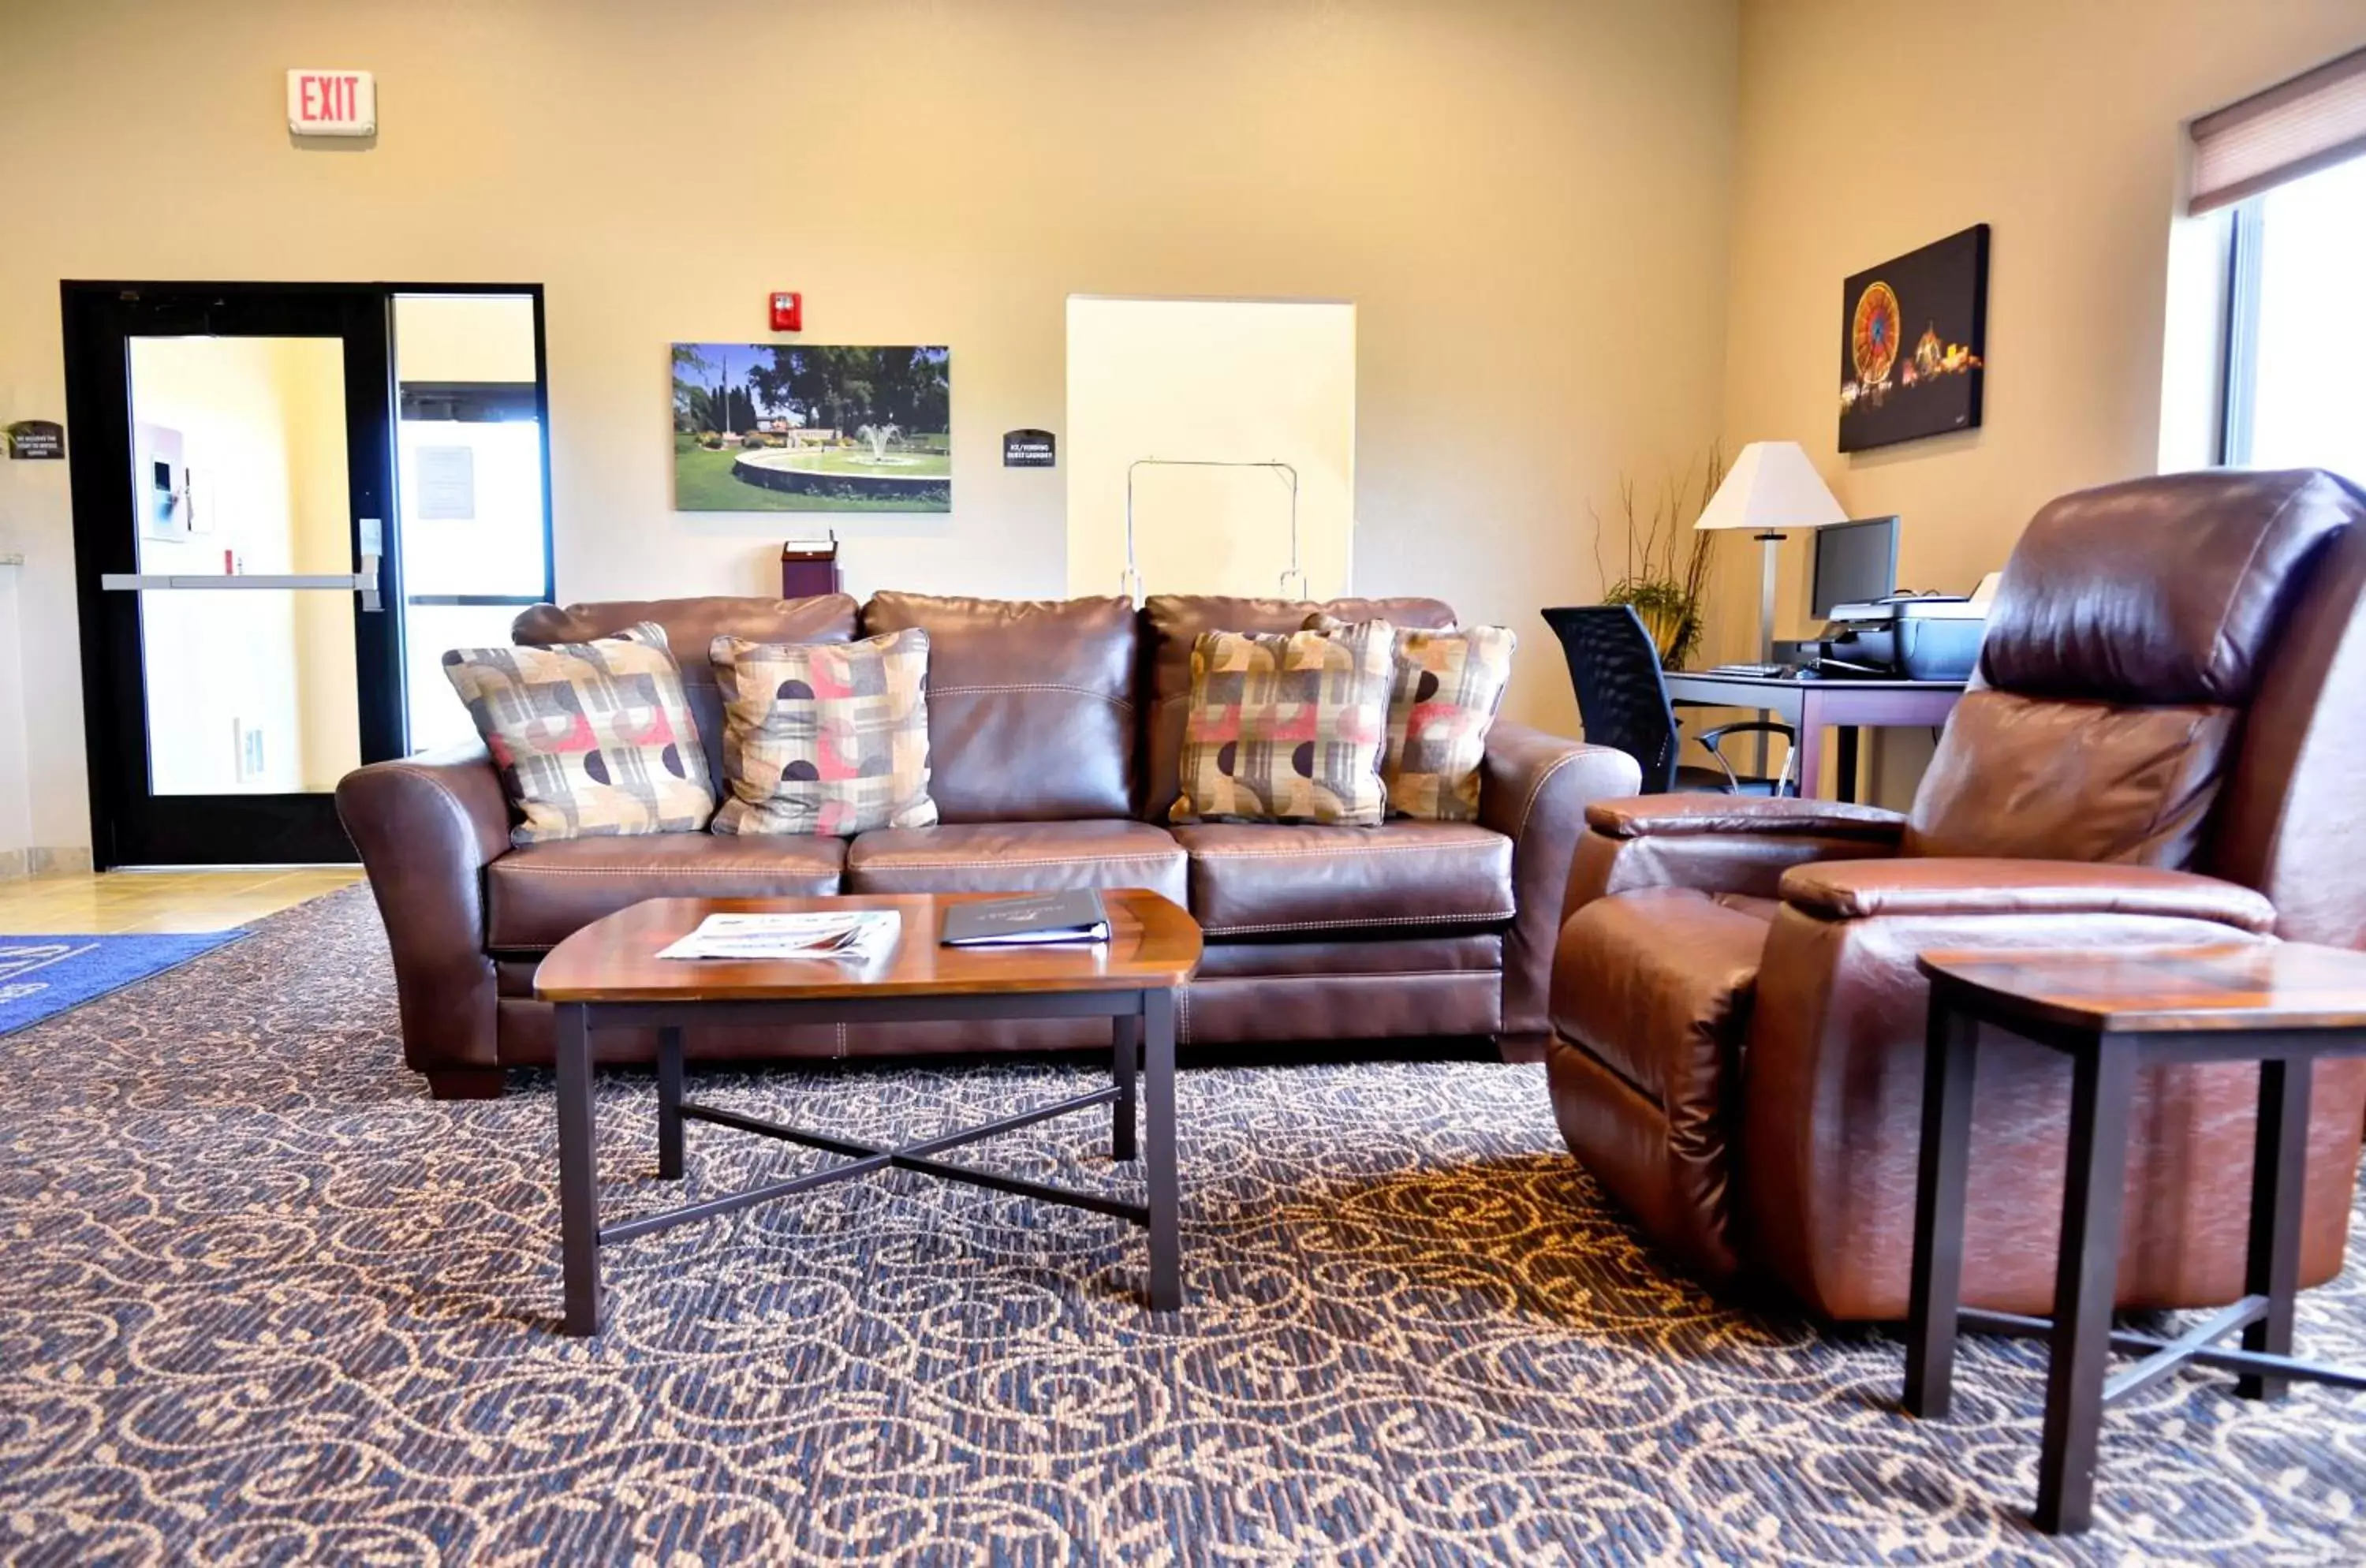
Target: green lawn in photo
702, 481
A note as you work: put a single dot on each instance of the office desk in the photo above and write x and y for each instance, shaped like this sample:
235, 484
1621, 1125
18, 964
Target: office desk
1811, 706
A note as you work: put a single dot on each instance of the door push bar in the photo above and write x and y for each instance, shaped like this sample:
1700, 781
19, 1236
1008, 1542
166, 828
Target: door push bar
363, 582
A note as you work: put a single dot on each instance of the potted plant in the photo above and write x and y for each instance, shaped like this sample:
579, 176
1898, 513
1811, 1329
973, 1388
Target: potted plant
1666, 559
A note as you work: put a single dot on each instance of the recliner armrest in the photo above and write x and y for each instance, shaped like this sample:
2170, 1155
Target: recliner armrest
1534, 789
1864, 889
1648, 815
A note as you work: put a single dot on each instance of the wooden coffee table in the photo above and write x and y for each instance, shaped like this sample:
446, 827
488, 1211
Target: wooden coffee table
2113, 1012
608, 975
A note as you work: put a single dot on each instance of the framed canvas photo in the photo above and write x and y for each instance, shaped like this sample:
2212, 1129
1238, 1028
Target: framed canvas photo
808, 428
1914, 343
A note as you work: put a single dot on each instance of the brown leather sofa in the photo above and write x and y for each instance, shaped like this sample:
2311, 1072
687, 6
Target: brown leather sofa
1054, 731
2163, 745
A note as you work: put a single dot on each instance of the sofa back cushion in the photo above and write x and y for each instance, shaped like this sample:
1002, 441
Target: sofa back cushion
1030, 703
690, 627
1171, 625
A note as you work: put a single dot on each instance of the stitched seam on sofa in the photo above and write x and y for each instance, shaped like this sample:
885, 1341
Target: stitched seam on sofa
1529, 805
459, 807
468, 829
660, 871
2162, 803
1124, 704
1486, 975
1337, 851
2218, 633
1380, 922
1146, 857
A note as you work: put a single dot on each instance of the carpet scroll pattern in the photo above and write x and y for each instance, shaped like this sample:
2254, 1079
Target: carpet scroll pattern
262, 1302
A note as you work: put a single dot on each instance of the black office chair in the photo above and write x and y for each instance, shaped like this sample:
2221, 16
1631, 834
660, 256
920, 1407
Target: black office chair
1623, 701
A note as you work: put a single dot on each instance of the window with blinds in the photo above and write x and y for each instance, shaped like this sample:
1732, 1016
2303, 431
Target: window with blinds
2311, 122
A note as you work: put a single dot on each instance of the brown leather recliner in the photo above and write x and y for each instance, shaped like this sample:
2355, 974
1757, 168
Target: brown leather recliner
2163, 745
1055, 730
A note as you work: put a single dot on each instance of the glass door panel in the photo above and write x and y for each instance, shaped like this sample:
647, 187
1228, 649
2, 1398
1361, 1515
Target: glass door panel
239, 472
475, 536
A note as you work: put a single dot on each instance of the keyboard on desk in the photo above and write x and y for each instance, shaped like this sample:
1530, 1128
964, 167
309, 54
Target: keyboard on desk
1763, 672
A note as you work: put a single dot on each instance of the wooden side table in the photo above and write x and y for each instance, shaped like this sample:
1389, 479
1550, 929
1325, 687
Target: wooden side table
2113, 1013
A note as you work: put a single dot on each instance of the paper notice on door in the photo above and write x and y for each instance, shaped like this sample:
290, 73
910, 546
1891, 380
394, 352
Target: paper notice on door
447, 484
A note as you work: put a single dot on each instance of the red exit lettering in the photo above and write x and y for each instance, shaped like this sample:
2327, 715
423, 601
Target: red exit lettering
328, 97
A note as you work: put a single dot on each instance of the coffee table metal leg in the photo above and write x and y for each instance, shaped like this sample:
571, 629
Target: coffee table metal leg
1936, 1294
2278, 1171
2085, 1281
579, 1175
1158, 1095
1126, 1066
670, 1105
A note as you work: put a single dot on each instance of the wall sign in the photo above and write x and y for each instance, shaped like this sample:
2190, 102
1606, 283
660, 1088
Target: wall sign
332, 103
1028, 449
37, 439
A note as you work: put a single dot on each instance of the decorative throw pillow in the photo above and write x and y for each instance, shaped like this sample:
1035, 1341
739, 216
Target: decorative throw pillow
824, 738
592, 738
1446, 688
1286, 727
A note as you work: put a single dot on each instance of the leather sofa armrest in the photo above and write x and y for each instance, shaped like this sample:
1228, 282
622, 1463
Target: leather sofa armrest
1848, 890
426, 828
1534, 788
1660, 816
1718, 843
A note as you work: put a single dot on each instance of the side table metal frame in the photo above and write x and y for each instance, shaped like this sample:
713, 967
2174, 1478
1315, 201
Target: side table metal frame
2078, 1391
1142, 1043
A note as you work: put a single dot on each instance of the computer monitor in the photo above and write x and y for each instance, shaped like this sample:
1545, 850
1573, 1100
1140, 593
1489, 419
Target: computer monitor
1855, 563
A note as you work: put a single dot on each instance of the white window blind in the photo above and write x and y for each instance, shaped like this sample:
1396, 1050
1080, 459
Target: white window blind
2307, 124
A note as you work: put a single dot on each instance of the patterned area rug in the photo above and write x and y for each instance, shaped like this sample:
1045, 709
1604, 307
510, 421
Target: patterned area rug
43, 976
261, 1301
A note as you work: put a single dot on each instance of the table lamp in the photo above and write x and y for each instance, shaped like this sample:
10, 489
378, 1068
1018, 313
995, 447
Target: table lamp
1771, 487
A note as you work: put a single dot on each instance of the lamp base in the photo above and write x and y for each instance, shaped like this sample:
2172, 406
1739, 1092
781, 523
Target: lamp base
1768, 543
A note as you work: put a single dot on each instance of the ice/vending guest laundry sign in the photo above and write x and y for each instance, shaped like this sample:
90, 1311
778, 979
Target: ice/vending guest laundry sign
332, 103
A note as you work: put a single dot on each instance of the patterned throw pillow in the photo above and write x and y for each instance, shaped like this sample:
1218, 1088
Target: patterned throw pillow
824, 738
1286, 727
1447, 686
592, 738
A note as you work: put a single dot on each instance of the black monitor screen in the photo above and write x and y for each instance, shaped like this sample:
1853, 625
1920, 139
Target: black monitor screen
1855, 563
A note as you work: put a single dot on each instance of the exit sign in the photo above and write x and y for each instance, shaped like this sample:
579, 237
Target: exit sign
332, 103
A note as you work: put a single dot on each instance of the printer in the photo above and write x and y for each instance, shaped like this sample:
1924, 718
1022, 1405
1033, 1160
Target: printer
1910, 637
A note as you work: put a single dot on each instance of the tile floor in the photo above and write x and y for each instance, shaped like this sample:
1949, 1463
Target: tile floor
113, 903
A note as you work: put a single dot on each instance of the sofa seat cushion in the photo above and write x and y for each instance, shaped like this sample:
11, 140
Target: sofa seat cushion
537, 897
1657, 986
1260, 880
1016, 857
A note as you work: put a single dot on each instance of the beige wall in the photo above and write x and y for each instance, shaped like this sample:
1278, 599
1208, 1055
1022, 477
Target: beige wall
1870, 127
1525, 199
1208, 379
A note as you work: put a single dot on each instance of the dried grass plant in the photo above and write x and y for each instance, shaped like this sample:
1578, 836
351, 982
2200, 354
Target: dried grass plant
1667, 560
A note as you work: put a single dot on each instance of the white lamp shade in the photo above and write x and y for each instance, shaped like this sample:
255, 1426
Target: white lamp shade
1771, 487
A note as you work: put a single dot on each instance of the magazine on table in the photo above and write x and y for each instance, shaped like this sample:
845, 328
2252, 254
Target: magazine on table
855, 935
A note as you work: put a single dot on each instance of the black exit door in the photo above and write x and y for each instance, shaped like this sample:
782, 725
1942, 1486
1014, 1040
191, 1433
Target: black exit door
232, 472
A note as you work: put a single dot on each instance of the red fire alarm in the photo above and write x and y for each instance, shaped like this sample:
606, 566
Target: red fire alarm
788, 313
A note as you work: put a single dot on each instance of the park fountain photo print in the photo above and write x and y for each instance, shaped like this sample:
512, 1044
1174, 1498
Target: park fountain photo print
771, 427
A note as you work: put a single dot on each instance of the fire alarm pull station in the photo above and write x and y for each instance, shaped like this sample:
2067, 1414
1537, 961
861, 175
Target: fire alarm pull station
788, 313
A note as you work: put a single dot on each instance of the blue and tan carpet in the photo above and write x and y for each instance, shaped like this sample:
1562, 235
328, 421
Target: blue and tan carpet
43, 976
261, 1301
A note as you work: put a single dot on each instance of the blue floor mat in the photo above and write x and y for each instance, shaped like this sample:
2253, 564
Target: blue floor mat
41, 976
